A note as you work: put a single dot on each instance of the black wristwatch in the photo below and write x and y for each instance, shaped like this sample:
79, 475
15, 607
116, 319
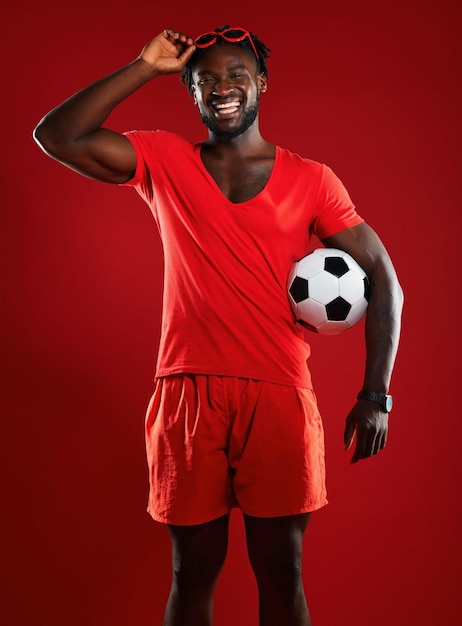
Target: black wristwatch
385, 401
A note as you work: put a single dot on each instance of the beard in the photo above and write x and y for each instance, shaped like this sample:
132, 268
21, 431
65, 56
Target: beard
247, 120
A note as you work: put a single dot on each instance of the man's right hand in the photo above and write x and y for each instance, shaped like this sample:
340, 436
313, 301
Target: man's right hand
168, 52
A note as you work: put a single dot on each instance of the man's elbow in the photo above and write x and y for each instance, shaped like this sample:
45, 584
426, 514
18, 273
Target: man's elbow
42, 137
399, 295
396, 291
48, 139
384, 280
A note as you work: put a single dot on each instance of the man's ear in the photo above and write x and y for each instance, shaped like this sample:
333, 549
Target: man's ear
262, 83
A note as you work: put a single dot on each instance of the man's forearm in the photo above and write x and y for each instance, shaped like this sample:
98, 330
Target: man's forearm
383, 325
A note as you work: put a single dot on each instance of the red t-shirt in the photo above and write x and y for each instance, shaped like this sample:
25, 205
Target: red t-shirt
225, 306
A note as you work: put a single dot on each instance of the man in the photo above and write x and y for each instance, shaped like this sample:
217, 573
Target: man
233, 420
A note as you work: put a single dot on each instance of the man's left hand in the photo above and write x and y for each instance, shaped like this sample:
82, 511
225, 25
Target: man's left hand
369, 425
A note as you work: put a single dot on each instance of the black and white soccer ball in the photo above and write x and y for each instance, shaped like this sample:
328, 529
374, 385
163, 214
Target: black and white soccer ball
328, 291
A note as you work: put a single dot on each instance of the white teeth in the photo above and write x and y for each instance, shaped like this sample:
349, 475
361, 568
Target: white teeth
227, 111
227, 108
228, 105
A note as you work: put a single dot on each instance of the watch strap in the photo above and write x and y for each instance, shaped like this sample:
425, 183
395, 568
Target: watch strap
384, 400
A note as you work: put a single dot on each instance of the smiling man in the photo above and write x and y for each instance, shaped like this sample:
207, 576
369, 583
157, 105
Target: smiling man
233, 420
227, 104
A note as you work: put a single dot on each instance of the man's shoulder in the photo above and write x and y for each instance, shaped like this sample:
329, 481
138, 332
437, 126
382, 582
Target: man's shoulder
156, 147
295, 158
297, 163
158, 135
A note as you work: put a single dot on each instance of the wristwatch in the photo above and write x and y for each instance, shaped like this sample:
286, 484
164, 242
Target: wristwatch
385, 401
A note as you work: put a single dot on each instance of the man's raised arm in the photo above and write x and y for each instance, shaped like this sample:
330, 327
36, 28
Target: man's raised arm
72, 132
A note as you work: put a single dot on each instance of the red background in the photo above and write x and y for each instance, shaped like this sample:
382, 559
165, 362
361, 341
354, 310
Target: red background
373, 89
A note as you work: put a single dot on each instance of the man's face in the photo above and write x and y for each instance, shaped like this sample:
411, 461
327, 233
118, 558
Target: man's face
226, 89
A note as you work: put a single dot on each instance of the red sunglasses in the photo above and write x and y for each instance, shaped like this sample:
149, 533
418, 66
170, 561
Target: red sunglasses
233, 35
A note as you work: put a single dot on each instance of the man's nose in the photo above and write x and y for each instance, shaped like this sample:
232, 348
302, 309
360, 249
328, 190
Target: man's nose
222, 87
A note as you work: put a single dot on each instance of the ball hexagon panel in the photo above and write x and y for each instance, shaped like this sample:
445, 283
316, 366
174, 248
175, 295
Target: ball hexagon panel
310, 265
311, 312
351, 287
323, 287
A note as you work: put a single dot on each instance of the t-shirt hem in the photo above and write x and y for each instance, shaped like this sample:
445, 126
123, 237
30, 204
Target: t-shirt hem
292, 381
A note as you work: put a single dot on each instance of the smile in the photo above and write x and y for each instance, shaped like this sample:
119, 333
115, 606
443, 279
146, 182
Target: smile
229, 107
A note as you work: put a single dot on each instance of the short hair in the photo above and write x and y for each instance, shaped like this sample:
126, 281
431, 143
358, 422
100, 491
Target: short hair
262, 54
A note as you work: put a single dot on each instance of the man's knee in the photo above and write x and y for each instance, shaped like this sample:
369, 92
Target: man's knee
191, 574
282, 569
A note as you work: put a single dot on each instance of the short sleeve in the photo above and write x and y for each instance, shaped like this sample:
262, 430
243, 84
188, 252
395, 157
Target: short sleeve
335, 210
143, 142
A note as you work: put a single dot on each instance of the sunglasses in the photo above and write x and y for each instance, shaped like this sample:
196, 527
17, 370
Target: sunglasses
232, 35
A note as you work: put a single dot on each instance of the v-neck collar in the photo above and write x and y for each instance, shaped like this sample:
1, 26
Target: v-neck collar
213, 183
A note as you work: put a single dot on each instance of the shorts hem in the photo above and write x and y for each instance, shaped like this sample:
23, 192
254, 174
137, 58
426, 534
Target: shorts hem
175, 521
309, 508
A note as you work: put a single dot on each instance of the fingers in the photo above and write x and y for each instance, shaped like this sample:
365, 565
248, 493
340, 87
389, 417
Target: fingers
369, 431
168, 52
176, 37
183, 43
361, 448
380, 442
186, 55
368, 443
349, 433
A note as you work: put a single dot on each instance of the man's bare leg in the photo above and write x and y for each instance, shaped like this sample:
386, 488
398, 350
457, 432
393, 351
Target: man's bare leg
198, 555
275, 553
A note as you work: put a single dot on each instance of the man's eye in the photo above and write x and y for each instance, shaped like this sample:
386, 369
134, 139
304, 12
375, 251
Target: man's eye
202, 81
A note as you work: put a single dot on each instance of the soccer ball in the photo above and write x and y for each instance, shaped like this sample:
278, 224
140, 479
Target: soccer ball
328, 291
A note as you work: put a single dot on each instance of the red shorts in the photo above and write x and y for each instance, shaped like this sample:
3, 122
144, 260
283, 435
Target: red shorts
217, 442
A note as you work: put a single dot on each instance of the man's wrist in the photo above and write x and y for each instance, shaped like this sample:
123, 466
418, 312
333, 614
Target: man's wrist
385, 401
146, 68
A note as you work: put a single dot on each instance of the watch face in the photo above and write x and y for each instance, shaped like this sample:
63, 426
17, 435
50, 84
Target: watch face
388, 403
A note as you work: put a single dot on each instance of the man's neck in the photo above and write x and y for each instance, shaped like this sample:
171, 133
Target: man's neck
250, 143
